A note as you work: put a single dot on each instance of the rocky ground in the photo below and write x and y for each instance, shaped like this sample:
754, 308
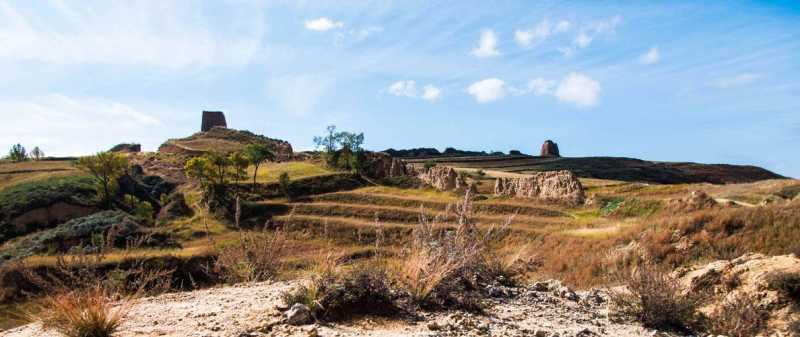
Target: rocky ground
540, 309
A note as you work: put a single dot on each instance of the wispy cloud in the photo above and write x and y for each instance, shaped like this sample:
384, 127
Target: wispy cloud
323, 24
650, 57
735, 81
431, 93
588, 33
298, 94
487, 45
127, 34
487, 90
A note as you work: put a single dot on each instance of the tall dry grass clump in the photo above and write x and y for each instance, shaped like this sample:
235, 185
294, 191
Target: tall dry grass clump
254, 257
655, 298
738, 317
442, 264
90, 312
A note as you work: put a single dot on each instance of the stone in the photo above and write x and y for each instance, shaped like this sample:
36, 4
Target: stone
552, 185
212, 119
549, 149
697, 200
298, 314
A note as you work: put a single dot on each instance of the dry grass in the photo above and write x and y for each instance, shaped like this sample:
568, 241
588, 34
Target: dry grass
655, 298
270, 172
14, 173
83, 313
738, 317
256, 256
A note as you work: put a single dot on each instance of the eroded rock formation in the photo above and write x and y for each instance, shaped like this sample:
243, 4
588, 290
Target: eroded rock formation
443, 178
552, 185
549, 149
381, 165
212, 119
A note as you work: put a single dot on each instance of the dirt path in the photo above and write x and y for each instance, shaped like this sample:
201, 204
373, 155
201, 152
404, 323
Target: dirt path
543, 309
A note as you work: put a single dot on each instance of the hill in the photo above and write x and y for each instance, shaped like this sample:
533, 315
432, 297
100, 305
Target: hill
611, 168
219, 139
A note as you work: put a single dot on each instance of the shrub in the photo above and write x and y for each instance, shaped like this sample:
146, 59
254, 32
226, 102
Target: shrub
441, 267
654, 298
737, 317
428, 164
82, 313
787, 283
334, 294
285, 185
255, 257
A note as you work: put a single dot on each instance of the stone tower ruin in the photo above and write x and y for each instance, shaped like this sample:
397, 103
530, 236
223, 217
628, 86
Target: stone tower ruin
212, 119
549, 149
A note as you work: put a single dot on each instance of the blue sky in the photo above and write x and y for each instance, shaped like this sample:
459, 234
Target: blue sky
711, 81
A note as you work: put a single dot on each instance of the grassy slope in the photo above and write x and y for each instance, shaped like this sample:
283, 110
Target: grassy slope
15, 173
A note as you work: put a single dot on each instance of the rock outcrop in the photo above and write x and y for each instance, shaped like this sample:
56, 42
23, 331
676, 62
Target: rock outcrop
443, 178
697, 200
552, 185
127, 148
381, 165
769, 281
212, 119
549, 149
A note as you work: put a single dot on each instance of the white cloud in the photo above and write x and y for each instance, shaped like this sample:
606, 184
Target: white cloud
166, 35
650, 57
487, 90
298, 95
403, 88
487, 46
562, 26
578, 89
323, 24
540, 86
64, 125
431, 93
735, 81
583, 40
532, 37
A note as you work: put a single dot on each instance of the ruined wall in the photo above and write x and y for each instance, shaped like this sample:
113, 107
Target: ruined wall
549, 149
553, 185
212, 119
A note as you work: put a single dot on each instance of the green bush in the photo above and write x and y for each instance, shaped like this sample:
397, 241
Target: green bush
21, 198
96, 231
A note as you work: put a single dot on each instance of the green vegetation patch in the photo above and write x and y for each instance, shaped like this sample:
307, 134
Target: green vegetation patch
24, 197
103, 229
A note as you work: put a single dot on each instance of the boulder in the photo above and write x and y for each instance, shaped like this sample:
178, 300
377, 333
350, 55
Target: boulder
549, 149
696, 200
212, 119
298, 314
551, 185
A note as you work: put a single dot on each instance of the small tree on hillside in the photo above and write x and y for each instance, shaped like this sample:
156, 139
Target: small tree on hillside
17, 153
239, 163
37, 154
105, 168
257, 154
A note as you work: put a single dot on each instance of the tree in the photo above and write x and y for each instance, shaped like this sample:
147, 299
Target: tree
329, 142
37, 153
198, 168
285, 185
17, 153
105, 168
257, 154
239, 163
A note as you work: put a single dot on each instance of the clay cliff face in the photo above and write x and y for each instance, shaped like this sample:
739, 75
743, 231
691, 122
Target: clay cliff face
549, 149
443, 178
553, 185
212, 119
380, 165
